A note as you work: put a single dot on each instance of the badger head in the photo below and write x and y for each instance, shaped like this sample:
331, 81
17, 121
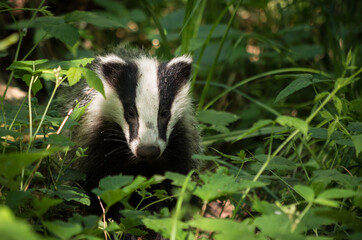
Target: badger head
145, 97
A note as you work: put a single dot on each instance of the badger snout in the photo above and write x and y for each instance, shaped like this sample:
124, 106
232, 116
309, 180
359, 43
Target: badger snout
148, 152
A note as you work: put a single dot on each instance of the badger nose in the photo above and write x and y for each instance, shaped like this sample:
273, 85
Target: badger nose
148, 151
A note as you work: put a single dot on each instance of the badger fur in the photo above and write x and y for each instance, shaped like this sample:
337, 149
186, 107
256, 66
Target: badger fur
145, 125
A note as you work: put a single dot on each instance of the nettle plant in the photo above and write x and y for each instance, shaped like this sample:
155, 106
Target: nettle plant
302, 182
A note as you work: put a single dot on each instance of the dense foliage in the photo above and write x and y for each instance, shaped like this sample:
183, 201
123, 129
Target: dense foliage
278, 92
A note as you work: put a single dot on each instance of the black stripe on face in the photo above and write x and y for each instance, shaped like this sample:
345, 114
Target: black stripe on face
123, 78
171, 80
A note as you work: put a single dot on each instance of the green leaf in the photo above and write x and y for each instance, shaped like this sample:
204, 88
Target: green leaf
79, 111
63, 230
111, 196
225, 228
218, 120
277, 163
58, 28
92, 18
114, 182
74, 75
36, 86
297, 123
326, 202
163, 226
337, 193
320, 96
7, 132
303, 81
256, 126
327, 176
69, 193
68, 64
93, 80
349, 57
274, 225
220, 184
355, 127
42, 206
338, 104
357, 142
306, 192
341, 82
60, 140
12, 164
14, 228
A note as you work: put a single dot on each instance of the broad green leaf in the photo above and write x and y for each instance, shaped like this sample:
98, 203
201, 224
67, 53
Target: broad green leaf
302, 81
297, 123
220, 184
7, 132
79, 111
337, 193
43, 205
327, 176
36, 85
273, 225
133, 218
60, 140
306, 51
218, 120
326, 202
69, 193
306, 192
277, 163
15, 229
225, 228
357, 141
178, 179
114, 182
256, 126
322, 133
331, 128
355, 127
82, 62
29, 63
338, 104
16, 199
92, 18
93, 80
63, 230
320, 96
58, 28
12, 164
74, 75
111, 196
205, 157
163, 226
341, 82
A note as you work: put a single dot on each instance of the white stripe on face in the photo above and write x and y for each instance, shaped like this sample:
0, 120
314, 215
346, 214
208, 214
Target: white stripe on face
147, 103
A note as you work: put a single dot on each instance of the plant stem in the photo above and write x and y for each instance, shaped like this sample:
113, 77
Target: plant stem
206, 43
273, 72
212, 70
291, 136
178, 206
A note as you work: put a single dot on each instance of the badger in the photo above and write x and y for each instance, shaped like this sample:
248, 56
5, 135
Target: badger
145, 124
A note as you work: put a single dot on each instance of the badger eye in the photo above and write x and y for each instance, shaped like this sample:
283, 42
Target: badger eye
164, 114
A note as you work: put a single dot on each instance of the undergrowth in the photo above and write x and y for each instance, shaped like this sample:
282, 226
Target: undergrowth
279, 108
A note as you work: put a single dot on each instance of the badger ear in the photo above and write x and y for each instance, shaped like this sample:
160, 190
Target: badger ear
180, 67
109, 68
